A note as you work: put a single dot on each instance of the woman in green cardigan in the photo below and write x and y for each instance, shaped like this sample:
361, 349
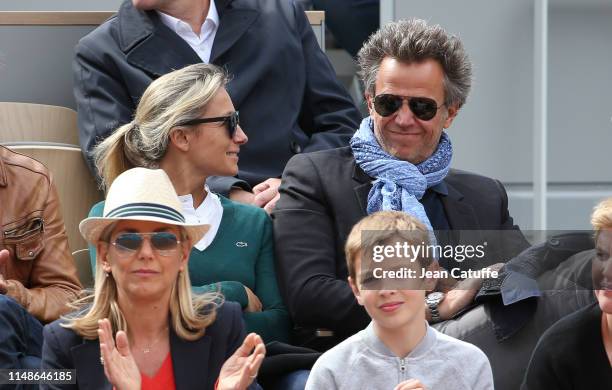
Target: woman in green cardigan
185, 124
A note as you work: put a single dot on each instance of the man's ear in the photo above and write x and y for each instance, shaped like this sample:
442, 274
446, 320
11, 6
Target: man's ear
451, 114
179, 137
369, 102
355, 289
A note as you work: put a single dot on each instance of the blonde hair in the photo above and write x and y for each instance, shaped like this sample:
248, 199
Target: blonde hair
174, 98
380, 227
602, 216
189, 314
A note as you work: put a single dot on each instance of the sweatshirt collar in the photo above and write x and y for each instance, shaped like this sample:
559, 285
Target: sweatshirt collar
421, 349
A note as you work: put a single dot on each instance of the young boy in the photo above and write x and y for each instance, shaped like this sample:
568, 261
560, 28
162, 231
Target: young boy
398, 350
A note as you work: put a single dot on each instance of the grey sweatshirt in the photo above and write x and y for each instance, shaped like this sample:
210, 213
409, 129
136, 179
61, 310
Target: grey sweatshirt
439, 361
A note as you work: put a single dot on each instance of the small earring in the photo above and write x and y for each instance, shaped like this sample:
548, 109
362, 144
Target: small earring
106, 274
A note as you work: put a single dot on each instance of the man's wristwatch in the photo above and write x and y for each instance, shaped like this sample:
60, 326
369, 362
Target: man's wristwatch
432, 301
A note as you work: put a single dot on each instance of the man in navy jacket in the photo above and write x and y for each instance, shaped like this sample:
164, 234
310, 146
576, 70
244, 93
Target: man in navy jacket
282, 83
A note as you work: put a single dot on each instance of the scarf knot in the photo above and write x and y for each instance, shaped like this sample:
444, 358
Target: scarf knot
399, 184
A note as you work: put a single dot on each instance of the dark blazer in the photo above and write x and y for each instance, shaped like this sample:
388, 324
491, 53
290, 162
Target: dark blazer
282, 83
323, 195
196, 363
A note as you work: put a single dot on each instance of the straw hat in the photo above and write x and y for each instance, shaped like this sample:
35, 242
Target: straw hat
145, 195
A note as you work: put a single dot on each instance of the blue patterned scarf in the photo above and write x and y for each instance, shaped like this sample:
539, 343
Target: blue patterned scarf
399, 185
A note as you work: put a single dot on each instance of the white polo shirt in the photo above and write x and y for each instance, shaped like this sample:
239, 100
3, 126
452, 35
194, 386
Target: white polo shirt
210, 212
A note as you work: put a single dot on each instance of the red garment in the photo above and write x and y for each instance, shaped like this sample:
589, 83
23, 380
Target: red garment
163, 379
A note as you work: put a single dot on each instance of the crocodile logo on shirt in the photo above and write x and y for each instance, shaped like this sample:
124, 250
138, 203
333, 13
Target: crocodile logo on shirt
241, 244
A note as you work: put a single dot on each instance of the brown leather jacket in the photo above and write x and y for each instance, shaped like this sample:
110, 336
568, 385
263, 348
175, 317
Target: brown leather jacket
40, 271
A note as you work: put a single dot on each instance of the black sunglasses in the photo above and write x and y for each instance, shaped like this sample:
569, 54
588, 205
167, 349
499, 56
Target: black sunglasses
423, 108
164, 243
232, 121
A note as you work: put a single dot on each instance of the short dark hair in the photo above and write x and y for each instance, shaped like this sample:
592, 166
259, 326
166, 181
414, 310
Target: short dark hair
414, 41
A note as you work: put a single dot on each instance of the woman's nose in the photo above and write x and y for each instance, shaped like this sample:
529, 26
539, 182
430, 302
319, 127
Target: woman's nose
240, 136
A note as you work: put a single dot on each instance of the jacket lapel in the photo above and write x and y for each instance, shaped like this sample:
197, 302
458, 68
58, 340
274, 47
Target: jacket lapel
233, 23
190, 361
148, 57
141, 36
143, 33
90, 376
460, 214
362, 185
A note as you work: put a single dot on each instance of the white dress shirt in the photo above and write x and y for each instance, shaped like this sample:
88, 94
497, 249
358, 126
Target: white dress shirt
210, 211
201, 44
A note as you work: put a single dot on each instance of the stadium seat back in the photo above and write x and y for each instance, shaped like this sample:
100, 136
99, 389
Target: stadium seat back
28, 122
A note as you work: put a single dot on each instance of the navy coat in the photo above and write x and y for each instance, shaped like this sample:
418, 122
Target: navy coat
323, 195
282, 83
196, 363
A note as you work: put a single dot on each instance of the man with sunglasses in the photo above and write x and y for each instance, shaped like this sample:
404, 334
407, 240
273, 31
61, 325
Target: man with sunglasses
417, 77
282, 82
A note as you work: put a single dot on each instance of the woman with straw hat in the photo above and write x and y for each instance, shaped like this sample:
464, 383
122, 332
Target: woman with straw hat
142, 328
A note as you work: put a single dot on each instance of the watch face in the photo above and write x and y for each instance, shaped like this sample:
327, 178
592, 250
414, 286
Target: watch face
435, 296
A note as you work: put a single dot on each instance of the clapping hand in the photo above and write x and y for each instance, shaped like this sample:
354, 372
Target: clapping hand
240, 370
119, 365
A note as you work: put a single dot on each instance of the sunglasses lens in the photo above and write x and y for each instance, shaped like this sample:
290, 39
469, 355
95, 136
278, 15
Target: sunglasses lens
128, 242
386, 105
423, 108
164, 241
232, 122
